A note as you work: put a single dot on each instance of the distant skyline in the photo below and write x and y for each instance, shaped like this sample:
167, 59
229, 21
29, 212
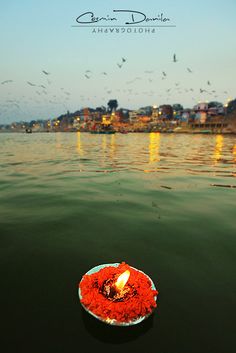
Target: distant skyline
48, 66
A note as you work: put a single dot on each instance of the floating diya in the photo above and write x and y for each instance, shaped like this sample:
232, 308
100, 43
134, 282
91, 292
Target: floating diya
117, 294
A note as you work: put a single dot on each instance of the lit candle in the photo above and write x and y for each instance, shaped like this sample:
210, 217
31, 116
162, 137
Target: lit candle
118, 294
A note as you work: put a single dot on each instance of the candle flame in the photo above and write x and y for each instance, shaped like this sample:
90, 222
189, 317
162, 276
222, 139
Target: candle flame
122, 280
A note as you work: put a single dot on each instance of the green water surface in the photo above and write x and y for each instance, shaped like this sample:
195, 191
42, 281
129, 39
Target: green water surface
162, 203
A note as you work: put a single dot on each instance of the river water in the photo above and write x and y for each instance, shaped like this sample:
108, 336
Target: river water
163, 203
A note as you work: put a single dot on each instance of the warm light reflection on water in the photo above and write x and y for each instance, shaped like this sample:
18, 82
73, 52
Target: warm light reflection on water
234, 153
218, 148
150, 153
79, 144
112, 146
154, 147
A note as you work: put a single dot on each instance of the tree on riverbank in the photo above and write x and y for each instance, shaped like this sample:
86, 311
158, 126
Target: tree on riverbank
231, 106
112, 105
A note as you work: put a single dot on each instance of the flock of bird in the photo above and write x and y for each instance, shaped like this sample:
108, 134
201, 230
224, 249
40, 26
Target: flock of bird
48, 97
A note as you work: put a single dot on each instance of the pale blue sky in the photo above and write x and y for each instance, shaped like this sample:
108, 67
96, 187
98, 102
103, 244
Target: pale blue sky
37, 35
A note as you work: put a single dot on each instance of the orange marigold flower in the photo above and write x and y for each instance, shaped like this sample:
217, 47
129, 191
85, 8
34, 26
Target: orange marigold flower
139, 304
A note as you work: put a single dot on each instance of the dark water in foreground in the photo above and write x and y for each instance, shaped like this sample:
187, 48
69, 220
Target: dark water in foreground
71, 201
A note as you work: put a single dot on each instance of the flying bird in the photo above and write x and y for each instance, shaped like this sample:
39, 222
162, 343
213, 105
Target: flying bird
174, 58
45, 72
104, 73
209, 83
189, 70
164, 74
31, 84
87, 76
124, 60
7, 81
119, 65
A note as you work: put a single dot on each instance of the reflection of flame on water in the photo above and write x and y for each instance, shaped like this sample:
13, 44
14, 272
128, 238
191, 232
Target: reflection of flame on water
79, 144
112, 146
154, 146
234, 153
218, 148
122, 280
58, 141
104, 142
104, 152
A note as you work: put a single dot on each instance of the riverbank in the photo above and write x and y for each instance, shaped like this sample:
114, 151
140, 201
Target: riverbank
164, 131
226, 125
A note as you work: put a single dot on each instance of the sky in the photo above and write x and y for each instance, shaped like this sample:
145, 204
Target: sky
39, 35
